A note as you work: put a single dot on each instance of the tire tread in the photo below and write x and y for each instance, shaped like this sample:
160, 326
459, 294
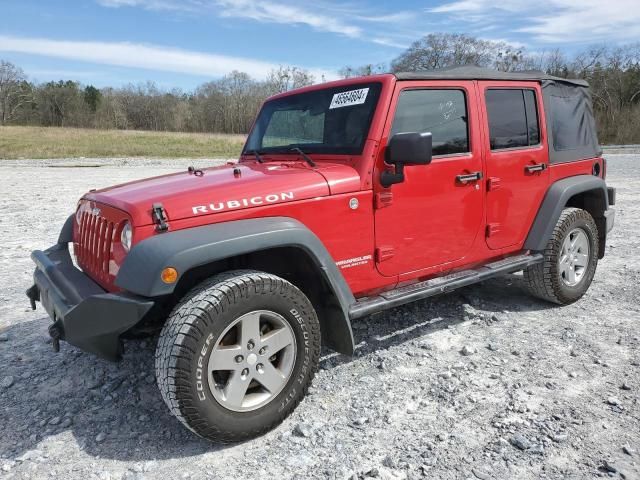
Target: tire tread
541, 279
179, 337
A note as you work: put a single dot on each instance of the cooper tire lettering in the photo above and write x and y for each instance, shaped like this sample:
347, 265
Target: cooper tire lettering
200, 387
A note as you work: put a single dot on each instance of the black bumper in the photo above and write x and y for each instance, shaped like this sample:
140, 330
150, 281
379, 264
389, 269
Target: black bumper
83, 313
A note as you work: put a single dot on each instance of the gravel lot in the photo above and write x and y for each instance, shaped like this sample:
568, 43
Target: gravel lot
540, 391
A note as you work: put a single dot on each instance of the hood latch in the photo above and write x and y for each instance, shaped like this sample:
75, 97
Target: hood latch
195, 171
159, 218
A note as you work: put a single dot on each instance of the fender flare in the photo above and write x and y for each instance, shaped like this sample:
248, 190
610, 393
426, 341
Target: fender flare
193, 247
66, 233
555, 200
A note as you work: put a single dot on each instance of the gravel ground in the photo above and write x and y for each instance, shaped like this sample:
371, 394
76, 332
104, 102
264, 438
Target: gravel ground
481, 383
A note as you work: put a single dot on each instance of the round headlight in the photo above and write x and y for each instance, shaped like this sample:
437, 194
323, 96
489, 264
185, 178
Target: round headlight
79, 212
126, 236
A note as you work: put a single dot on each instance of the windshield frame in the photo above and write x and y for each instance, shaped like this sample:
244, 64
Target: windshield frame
376, 89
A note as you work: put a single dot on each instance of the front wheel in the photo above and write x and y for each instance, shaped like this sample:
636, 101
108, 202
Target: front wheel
237, 355
570, 259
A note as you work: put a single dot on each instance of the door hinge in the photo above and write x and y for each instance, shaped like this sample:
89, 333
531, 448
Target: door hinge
492, 229
384, 253
493, 184
383, 199
159, 217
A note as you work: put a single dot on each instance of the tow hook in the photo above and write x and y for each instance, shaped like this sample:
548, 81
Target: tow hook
55, 334
34, 296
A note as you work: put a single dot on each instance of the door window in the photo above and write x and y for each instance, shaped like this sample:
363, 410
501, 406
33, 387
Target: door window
441, 112
513, 118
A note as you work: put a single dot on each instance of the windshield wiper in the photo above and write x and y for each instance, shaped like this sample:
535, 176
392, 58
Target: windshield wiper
306, 157
256, 154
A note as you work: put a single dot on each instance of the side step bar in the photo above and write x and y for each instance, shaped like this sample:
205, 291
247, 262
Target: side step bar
429, 288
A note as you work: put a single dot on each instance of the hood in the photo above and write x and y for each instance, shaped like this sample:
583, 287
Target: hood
226, 188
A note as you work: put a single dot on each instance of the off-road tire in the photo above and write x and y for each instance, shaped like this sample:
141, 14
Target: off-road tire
205, 312
544, 279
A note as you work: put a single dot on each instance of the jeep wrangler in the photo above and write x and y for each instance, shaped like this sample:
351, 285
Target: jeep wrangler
349, 198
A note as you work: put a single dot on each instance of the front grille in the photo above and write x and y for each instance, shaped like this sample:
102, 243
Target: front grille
96, 241
95, 237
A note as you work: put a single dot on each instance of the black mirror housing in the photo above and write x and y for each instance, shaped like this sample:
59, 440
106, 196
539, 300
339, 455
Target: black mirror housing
411, 148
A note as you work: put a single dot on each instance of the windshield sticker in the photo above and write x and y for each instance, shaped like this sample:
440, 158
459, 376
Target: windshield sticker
346, 99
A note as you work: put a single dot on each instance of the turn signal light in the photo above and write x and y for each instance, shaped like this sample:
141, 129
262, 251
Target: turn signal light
169, 275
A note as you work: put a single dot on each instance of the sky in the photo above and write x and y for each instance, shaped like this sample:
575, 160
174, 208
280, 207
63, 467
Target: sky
183, 43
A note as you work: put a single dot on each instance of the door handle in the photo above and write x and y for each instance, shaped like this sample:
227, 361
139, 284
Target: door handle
469, 177
538, 167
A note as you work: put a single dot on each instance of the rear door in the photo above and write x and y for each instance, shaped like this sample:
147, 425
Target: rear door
516, 159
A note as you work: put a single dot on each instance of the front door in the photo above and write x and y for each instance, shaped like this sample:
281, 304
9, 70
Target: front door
517, 160
434, 216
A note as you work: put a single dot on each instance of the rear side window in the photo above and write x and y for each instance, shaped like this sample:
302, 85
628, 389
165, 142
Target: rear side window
441, 112
513, 118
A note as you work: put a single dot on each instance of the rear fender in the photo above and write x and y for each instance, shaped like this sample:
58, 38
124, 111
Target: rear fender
583, 191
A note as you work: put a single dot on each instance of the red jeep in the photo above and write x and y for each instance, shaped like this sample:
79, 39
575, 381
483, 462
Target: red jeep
349, 198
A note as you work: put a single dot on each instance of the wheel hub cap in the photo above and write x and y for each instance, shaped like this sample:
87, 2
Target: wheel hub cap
574, 257
252, 361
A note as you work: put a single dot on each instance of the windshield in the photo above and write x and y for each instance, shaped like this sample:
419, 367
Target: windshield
334, 120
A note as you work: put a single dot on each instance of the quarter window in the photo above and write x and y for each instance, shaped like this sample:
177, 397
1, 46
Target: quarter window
441, 112
513, 118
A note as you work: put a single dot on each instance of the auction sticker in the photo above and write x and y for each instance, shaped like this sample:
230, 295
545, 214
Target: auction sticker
346, 99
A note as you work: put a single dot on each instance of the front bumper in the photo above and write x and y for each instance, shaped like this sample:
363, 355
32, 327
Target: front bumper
83, 313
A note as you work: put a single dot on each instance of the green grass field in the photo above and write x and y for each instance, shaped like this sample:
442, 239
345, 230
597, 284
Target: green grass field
50, 142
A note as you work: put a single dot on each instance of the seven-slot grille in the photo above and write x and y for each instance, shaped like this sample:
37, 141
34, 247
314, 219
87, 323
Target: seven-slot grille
97, 229
95, 238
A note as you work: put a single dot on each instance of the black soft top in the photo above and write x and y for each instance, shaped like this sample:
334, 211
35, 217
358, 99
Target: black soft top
471, 72
571, 127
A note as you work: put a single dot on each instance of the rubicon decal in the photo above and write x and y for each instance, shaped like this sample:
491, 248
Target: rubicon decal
243, 203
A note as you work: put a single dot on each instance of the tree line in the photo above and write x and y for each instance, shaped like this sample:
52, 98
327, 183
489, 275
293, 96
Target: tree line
228, 105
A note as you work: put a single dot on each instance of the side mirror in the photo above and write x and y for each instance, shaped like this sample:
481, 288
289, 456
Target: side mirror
411, 148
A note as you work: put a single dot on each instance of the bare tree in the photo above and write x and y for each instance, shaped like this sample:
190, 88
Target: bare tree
15, 92
284, 79
368, 69
62, 104
439, 50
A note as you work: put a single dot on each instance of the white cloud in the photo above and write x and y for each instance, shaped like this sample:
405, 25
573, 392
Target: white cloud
150, 57
482, 6
336, 18
265, 11
554, 21
147, 4
389, 42
588, 21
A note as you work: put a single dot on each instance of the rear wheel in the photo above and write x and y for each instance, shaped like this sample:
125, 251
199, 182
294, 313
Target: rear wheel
570, 259
237, 355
